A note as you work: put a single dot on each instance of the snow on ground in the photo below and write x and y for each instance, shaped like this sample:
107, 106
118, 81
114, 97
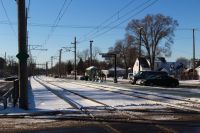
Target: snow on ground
70, 96
109, 98
185, 90
44, 99
191, 82
40, 100
154, 95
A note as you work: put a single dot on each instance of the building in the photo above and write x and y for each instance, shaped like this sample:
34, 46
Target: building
144, 65
160, 64
198, 71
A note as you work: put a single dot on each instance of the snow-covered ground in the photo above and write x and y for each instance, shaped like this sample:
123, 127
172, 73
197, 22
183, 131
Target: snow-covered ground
58, 98
40, 100
190, 82
43, 99
109, 98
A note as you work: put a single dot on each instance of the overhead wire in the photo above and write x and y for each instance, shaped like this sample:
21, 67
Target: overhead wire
109, 18
123, 21
11, 26
28, 8
61, 13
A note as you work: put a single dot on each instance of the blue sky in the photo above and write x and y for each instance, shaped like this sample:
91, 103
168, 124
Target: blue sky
83, 16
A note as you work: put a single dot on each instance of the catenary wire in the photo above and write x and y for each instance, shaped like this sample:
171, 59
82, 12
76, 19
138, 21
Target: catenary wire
11, 26
125, 20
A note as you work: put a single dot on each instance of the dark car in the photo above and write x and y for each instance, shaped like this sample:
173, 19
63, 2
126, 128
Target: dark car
12, 78
145, 74
160, 80
84, 78
56, 76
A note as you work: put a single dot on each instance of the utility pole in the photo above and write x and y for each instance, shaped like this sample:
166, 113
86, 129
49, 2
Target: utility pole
75, 73
52, 65
59, 67
5, 57
115, 78
46, 68
6, 62
22, 55
140, 46
91, 52
193, 52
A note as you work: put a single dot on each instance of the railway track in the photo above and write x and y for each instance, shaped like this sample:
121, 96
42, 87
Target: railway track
184, 105
107, 110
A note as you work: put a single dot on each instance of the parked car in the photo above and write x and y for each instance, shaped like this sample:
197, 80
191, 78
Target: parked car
130, 76
12, 78
159, 80
145, 74
56, 76
84, 78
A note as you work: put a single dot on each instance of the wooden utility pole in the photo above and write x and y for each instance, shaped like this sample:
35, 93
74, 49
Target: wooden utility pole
52, 65
5, 57
91, 52
75, 69
46, 68
193, 52
59, 67
140, 46
22, 55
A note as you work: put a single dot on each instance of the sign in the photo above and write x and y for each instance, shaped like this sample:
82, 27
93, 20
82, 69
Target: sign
107, 54
22, 56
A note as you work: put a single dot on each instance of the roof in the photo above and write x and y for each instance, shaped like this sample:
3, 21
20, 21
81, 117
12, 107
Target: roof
118, 69
143, 62
91, 68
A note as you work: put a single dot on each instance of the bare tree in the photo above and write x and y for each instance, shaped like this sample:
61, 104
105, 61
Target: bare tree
95, 53
184, 61
157, 32
83, 54
127, 52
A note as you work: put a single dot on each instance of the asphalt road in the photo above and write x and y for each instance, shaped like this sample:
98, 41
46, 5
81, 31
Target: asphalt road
69, 126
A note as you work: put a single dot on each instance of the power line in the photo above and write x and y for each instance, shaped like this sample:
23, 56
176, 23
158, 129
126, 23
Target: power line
11, 26
28, 9
139, 6
188, 29
84, 26
62, 26
125, 20
61, 13
109, 18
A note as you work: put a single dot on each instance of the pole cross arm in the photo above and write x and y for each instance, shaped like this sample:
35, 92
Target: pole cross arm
39, 49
